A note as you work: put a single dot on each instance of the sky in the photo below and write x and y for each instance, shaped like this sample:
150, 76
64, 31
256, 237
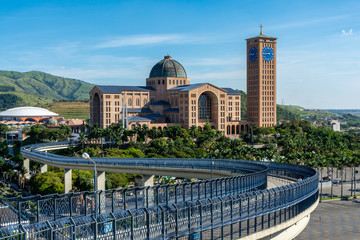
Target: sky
118, 42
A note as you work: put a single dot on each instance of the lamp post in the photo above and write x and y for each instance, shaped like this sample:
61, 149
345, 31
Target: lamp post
87, 157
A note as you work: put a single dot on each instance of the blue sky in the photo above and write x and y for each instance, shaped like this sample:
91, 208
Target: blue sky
118, 42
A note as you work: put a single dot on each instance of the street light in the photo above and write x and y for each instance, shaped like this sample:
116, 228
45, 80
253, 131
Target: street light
87, 157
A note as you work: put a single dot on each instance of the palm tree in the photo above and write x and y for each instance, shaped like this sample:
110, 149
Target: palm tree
82, 140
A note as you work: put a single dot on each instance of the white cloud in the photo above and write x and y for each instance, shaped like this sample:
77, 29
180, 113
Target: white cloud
345, 33
137, 40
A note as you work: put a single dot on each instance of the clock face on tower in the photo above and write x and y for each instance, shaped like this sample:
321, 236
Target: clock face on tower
253, 54
268, 53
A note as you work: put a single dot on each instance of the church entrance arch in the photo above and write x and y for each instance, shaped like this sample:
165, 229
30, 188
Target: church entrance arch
207, 107
96, 109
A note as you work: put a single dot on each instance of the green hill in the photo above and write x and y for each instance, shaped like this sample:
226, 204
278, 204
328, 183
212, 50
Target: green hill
290, 112
38, 88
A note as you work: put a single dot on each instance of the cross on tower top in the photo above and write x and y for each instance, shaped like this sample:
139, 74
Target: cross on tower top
261, 27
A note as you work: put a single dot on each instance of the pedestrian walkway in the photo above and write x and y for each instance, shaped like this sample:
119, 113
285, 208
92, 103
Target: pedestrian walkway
333, 220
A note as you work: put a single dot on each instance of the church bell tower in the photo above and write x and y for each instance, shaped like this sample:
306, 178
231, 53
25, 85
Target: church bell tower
261, 80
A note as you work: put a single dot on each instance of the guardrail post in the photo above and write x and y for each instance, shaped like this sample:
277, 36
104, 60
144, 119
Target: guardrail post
255, 219
136, 198
176, 220
124, 197
212, 218
112, 201
162, 223
113, 226
37, 211
70, 205
275, 206
19, 211
183, 186
269, 217
55, 208
240, 215
147, 224
86, 203
231, 217
248, 215
222, 218
191, 191
198, 184
201, 223
132, 237
147, 196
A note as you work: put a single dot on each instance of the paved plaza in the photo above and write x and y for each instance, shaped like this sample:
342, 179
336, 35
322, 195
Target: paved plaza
333, 220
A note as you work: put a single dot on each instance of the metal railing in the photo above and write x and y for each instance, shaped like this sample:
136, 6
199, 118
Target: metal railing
186, 209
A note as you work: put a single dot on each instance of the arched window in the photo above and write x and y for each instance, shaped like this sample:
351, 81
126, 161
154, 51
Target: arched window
129, 102
145, 101
137, 102
204, 108
180, 82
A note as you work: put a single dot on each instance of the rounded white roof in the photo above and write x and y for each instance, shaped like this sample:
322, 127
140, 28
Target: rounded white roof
27, 112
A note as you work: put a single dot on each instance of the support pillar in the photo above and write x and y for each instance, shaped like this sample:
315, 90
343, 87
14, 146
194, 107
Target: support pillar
26, 165
101, 195
144, 181
43, 168
101, 180
67, 180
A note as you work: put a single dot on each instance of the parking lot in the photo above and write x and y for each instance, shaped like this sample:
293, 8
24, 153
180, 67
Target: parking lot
333, 220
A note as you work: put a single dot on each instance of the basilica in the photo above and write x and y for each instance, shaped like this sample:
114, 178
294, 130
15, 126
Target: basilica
168, 99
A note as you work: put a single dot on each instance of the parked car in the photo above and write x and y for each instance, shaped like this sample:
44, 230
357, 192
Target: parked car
335, 181
326, 178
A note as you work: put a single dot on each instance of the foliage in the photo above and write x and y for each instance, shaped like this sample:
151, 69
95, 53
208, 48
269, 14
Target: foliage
47, 183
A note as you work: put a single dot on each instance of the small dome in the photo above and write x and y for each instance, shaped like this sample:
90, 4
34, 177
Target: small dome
168, 68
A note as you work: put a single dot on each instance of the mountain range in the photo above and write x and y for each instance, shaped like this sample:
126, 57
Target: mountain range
38, 88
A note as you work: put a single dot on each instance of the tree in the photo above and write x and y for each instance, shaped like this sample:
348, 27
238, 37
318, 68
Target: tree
47, 183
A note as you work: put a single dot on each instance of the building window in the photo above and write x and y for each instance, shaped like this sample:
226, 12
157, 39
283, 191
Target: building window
180, 82
204, 108
129, 102
177, 82
137, 102
145, 101
169, 81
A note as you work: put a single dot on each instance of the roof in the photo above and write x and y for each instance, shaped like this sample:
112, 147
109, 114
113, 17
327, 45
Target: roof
154, 116
119, 89
137, 119
139, 110
27, 112
185, 88
172, 110
161, 103
231, 91
168, 68
262, 36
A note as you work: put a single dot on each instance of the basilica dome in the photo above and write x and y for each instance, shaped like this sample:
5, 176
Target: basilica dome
168, 68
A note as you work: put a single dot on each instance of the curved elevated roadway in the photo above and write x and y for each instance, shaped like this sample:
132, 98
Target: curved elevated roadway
237, 205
